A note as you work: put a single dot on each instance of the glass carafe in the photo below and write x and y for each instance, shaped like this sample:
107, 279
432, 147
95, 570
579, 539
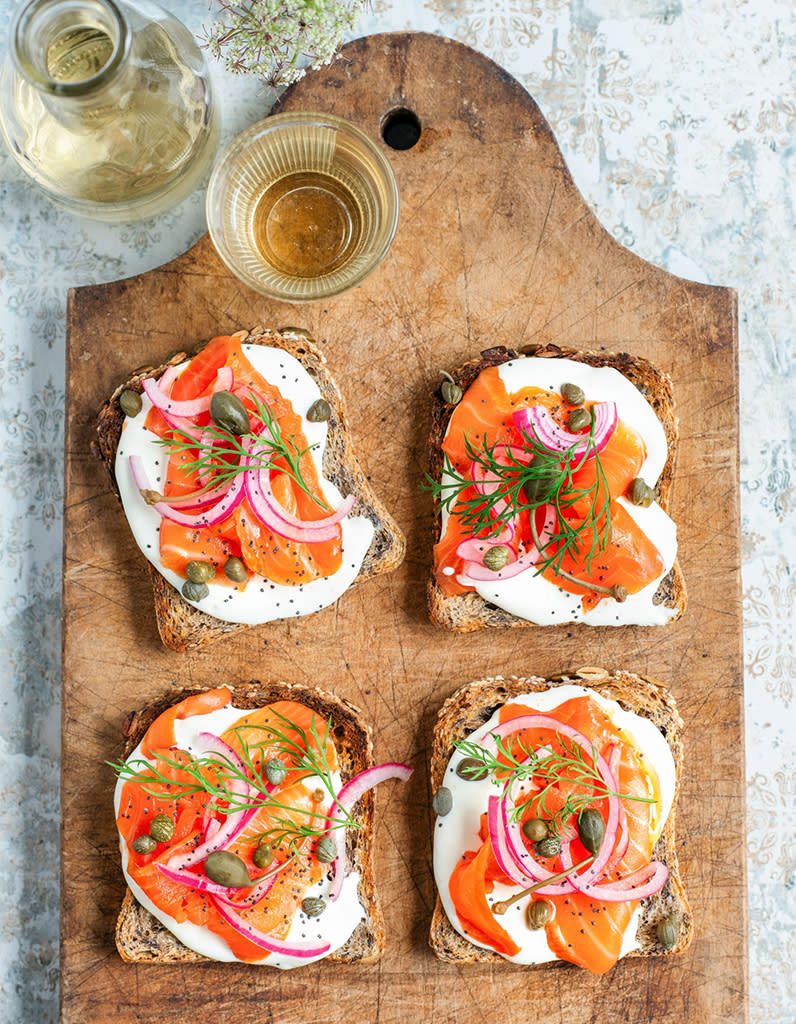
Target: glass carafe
106, 104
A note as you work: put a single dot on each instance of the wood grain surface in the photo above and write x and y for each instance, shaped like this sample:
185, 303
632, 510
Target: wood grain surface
495, 245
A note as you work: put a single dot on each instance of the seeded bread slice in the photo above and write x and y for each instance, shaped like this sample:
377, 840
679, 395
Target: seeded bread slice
465, 613
474, 704
141, 938
183, 627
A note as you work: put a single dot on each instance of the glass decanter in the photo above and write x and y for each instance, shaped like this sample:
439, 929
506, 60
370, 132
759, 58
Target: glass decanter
106, 104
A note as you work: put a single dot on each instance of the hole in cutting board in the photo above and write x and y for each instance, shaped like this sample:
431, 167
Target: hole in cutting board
401, 129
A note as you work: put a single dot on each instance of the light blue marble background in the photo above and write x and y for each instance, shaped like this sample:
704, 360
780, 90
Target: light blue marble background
677, 120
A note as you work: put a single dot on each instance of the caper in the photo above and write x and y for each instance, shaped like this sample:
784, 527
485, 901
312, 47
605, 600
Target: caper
497, 557
313, 906
538, 487
443, 801
228, 412
472, 769
130, 402
668, 931
619, 593
451, 392
227, 869
275, 771
539, 913
144, 844
573, 394
640, 493
235, 570
591, 829
578, 420
319, 412
534, 829
195, 591
326, 850
262, 856
550, 846
200, 572
161, 828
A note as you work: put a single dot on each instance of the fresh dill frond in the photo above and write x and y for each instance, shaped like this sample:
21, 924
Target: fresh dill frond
523, 484
218, 775
222, 455
566, 762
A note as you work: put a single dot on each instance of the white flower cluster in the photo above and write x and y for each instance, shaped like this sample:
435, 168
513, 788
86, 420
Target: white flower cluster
279, 40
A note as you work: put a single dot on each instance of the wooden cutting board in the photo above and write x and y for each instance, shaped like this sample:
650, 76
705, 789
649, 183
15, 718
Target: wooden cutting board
495, 244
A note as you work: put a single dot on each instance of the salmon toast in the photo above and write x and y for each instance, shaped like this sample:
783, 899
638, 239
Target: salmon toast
543, 884
551, 474
235, 471
267, 789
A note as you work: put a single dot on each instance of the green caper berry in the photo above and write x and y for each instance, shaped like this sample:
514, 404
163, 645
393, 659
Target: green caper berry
195, 591
227, 869
537, 488
262, 856
668, 931
539, 913
235, 570
144, 844
313, 906
443, 801
130, 402
640, 493
161, 828
591, 829
471, 769
550, 846
573, 394
200, 572
619, 593
275, 771
228, 412
497, 557
534, 829
451, 392
319, 412
326, 850
578, 419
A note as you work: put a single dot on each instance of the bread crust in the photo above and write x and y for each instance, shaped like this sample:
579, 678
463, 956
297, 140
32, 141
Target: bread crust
465, 613
475, 703
183, 627
141, 938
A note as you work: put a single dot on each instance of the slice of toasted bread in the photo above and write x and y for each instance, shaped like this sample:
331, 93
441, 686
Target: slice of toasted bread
182, 626
474, 704
465, 613
140, 937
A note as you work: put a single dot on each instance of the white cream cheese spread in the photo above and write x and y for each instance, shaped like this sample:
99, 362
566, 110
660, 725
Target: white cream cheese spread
334, 926
458, 831
537, 599
262, 600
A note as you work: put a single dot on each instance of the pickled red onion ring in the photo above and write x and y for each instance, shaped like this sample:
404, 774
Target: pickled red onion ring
346, 798
267, 942
536, 421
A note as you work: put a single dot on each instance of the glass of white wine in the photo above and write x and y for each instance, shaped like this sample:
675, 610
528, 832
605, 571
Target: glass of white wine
302, 206
106, 104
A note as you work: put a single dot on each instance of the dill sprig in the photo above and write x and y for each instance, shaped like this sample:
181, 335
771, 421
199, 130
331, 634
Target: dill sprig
216, 774
567, 762
524, 485
221, 453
